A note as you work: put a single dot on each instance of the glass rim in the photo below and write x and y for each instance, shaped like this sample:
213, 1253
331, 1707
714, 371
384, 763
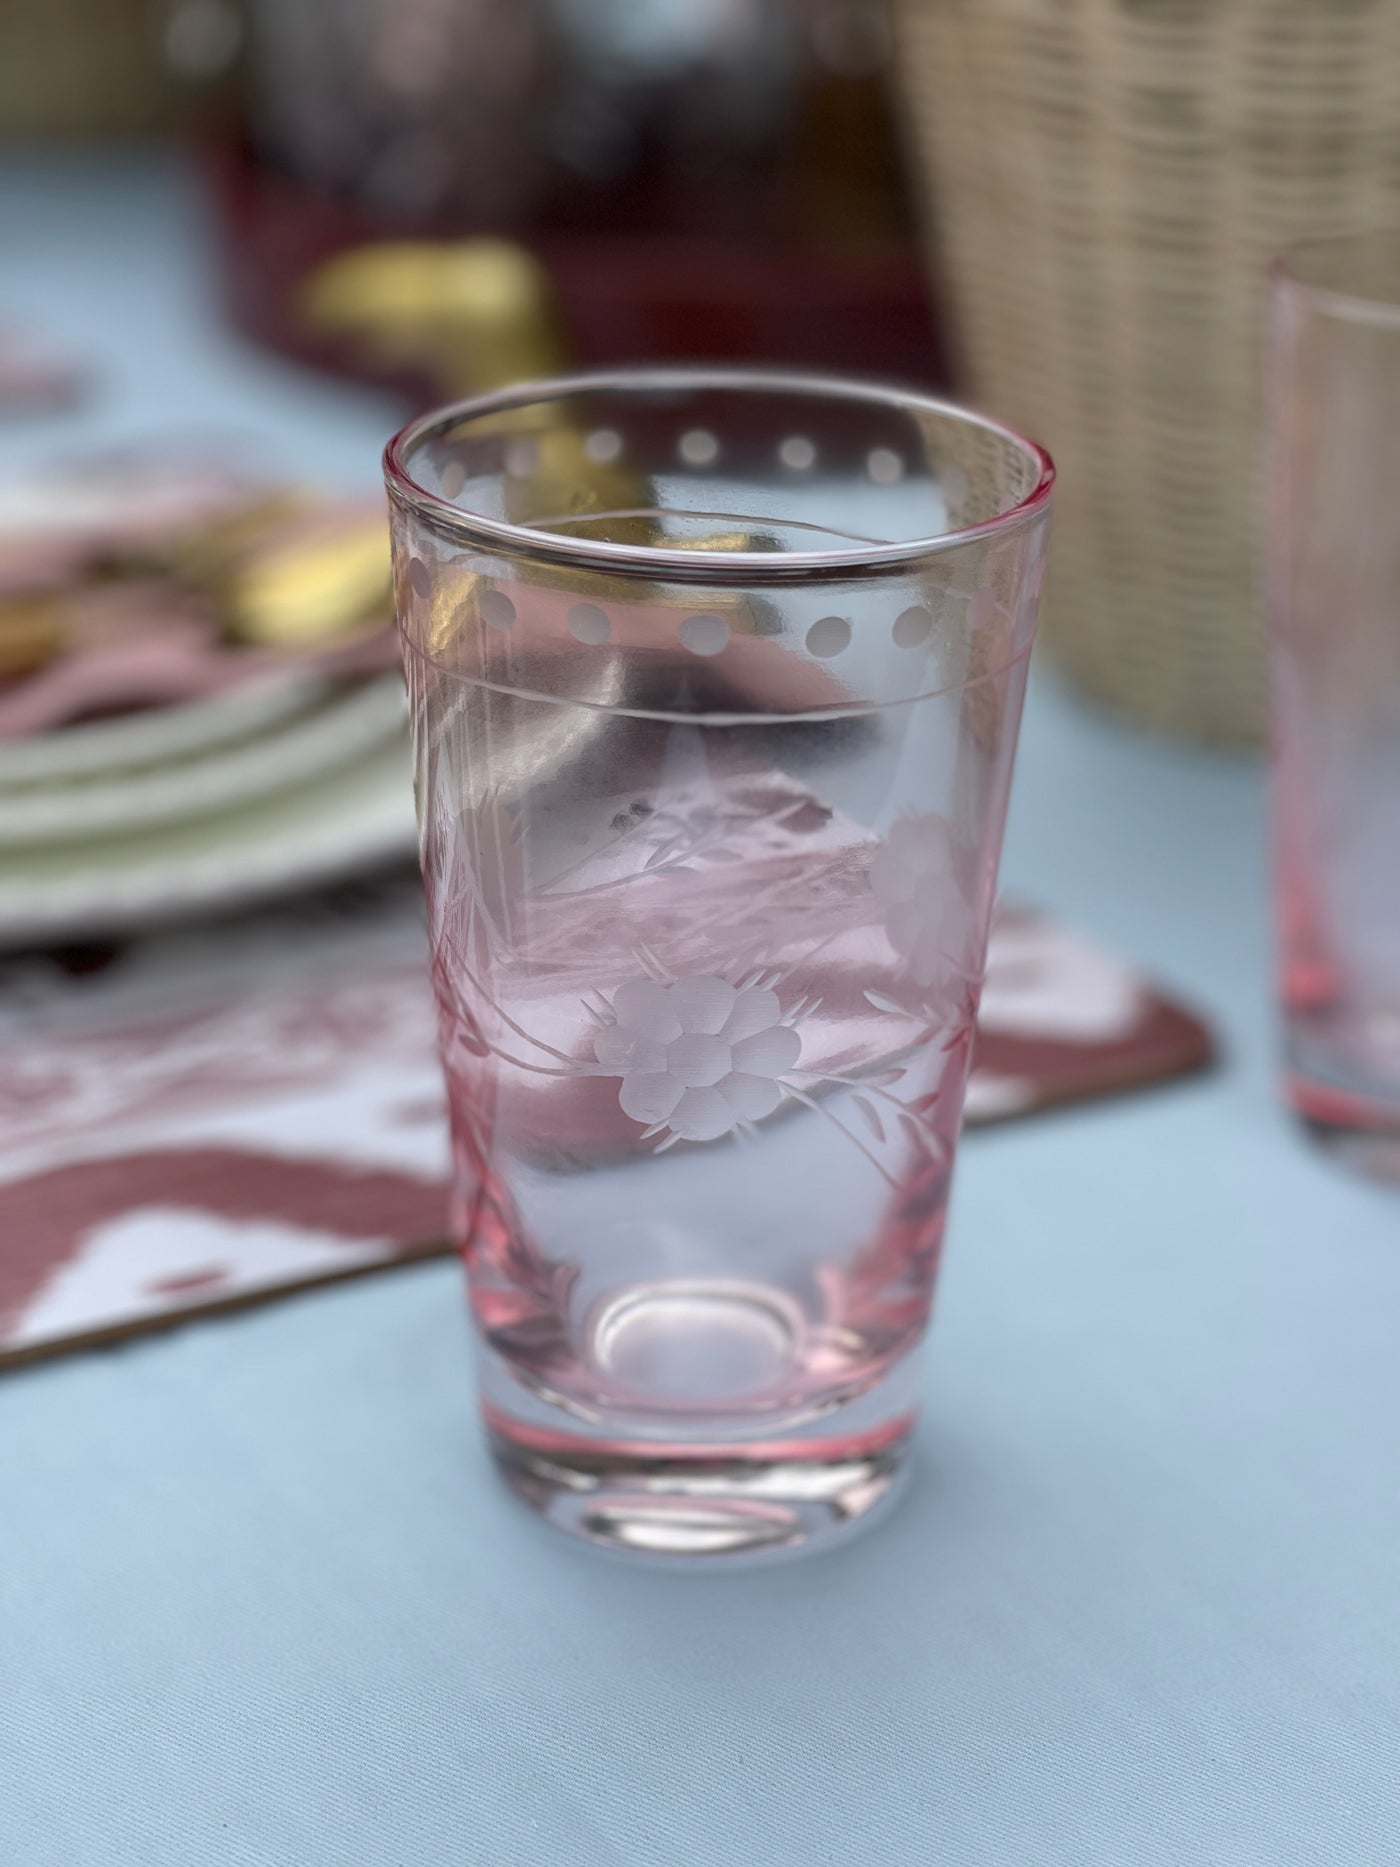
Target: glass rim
701, 566
1336, 300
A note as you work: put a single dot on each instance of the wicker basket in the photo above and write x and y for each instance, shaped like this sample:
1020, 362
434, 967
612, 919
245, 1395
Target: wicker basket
1105, 180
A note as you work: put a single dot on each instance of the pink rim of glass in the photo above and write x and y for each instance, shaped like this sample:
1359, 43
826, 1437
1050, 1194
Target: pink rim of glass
698, 566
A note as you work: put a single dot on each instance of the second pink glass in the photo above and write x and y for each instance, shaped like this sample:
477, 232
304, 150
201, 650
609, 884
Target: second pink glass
715, 682
1334, 600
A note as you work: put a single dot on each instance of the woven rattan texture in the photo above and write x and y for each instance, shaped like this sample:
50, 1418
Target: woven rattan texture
1105, 180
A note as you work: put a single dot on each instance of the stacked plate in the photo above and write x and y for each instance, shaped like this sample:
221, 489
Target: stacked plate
287, 781
200, 703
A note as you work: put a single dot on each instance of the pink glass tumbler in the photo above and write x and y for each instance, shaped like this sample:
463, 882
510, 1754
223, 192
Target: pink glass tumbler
715, 683
1334, 622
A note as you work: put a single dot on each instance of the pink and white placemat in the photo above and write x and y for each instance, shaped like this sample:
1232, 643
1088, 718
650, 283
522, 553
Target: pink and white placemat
205, 1117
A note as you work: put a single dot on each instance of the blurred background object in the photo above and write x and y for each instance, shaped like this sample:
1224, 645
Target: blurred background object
435, 196
84, 68
1334, 636
200, 701
36, 376
707, 178
440, 195
1105, 181
467, 315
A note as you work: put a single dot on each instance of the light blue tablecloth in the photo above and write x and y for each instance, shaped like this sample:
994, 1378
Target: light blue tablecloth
262, 1604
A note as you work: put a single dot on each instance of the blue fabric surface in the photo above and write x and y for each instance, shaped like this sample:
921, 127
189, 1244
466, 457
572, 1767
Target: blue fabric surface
262, 1604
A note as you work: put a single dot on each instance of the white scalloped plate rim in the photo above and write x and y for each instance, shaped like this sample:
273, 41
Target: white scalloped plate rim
346, 822
337, 728
154, 734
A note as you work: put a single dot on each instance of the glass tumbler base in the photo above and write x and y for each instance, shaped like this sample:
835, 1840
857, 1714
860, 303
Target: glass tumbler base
703, 1505
1352, 1116
1368, 1147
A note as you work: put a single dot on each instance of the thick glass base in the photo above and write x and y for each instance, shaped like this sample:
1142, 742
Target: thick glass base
1349, 1130
1354, 1112
704, 1505
701, 1419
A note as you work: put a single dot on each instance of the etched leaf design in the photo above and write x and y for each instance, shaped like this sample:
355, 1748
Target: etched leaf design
882, 1001
870, 1115
915, 1129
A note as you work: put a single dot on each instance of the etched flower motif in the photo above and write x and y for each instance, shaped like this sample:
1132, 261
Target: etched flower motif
697, 1056
918, 878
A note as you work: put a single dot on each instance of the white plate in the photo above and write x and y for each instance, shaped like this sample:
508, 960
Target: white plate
350, 819
155, 733
339, 727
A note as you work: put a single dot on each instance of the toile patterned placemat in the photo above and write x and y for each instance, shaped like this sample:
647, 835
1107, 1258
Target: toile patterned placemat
204, 1117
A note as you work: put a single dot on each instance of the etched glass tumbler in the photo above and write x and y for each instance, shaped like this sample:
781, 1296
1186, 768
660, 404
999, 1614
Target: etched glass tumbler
715, 682
1334, 627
